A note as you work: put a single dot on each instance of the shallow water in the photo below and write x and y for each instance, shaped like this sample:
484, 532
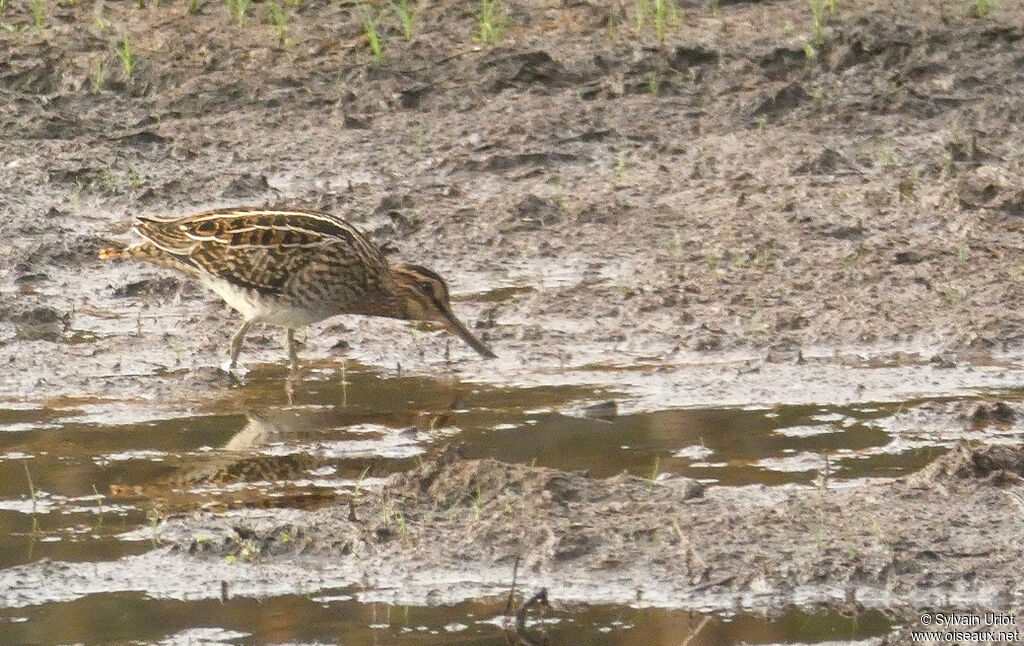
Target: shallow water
335, 617
89, 480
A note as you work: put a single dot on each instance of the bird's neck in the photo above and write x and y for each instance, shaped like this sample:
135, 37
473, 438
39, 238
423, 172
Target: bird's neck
387, 303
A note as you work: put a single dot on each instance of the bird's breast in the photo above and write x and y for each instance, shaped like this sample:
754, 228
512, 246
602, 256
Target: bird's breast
274, 309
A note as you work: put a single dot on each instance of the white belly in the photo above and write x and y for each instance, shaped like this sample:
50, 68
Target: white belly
263, 309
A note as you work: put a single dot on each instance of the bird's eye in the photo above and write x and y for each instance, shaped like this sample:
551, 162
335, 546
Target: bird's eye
427, 287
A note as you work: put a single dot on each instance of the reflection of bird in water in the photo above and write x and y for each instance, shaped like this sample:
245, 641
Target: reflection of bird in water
293, 268
260, 429
240, 461
282, 444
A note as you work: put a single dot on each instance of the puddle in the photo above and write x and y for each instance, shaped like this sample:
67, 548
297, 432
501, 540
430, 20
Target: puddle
336, 617
103, 472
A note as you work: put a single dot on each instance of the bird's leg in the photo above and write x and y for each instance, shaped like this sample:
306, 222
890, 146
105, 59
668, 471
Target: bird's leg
289, 388
236, 343
293, 356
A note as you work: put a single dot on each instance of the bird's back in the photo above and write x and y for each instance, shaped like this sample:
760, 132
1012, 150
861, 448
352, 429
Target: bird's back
305, 258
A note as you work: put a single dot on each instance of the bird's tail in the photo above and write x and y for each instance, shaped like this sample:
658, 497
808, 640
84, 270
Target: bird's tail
111, 253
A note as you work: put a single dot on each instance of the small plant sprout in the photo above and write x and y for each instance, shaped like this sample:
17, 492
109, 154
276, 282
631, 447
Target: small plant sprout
124, 53
38, 8
403, 531
662, 14
962, 253
478, 503
34, 493
951, 295
386, 510
611, 25
983, 8
887, 157
655, 472
136, 179
665, 12
370, 23
641, 10
248, 552
817, 22
810, 53
239, 8
98, 74
358, 490
279, 19
101, 23
154, 522
31, 487
621, 163
653, 82
449, 513
947, 164
193, 6
818, 9
407, 15
99, 503
491, 22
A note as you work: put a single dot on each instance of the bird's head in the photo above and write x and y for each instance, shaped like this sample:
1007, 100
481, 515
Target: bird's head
425, 298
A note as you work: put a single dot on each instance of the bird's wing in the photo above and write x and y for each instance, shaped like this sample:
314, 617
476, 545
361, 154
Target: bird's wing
261, 249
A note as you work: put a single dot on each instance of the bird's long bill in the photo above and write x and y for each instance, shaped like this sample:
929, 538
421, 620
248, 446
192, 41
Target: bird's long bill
456, 327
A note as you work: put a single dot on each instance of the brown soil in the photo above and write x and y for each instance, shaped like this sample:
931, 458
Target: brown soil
595, 199
454, 528
672, 541
752, 202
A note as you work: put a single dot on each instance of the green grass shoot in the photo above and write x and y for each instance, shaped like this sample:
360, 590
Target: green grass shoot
492, 21
407, 16
279, 19
124, 53
370, 28
239, 9
38, 8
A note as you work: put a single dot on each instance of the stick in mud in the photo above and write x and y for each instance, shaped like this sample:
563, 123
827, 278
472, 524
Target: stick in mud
541, 597
699, 630
510, 605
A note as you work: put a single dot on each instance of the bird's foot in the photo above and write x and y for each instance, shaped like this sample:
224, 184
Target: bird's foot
235, 370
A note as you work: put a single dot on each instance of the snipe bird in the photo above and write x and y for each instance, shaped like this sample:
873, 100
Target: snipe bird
292, 268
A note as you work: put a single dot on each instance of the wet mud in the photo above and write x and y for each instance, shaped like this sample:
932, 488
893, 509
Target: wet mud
637, 228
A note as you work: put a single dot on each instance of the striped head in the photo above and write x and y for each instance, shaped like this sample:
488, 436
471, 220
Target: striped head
425, 298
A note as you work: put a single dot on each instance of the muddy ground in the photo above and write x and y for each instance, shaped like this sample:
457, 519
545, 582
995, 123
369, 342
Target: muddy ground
944, 539
753, 205
601, 204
